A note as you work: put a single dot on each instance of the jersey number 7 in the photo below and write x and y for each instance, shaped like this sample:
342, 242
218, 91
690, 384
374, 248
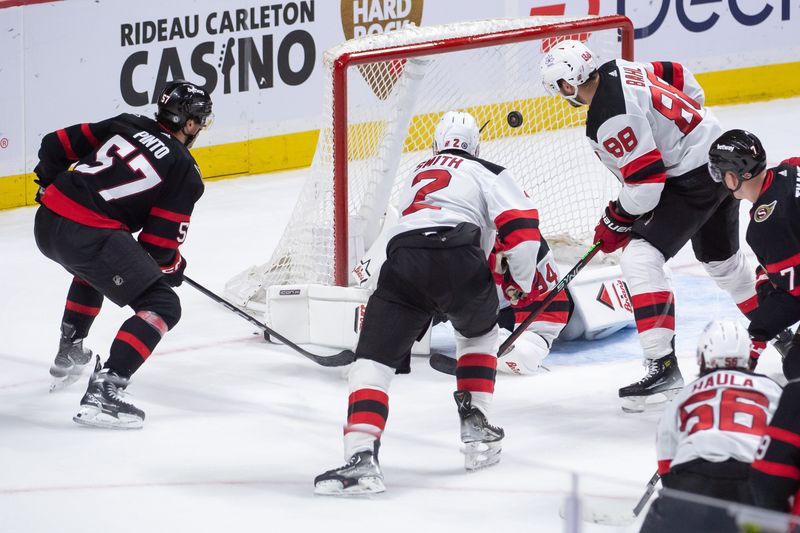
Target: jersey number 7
121, 148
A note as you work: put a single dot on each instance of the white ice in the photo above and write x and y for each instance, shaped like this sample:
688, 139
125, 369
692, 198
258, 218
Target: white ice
237, 429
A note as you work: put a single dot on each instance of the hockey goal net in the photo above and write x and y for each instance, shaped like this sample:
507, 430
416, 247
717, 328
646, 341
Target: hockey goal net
383, 97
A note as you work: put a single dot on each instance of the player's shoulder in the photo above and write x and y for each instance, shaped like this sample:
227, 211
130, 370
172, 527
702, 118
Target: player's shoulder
494, 168
609, 99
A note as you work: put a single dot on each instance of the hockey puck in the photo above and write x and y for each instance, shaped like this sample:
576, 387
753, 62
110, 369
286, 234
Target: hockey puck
514, 119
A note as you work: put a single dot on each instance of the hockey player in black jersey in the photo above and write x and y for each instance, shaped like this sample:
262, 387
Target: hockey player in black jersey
775, 474
100, 183
738, 159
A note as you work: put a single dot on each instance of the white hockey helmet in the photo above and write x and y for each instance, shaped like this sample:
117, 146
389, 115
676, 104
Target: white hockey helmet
723, 344
457, 130
570, 61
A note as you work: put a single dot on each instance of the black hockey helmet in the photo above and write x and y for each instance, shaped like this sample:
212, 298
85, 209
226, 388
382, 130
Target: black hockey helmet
180, 101
736, 151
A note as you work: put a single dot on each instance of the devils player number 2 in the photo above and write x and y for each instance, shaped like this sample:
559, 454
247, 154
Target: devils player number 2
441, 179
120, 147
736, 407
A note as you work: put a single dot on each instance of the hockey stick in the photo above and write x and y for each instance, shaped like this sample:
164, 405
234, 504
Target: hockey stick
651, 487
606, 516
445, 364
342, 358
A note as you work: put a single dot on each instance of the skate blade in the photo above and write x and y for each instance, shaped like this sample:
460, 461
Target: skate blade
94, 417
651, 402
364, 487
61, 382
480, 455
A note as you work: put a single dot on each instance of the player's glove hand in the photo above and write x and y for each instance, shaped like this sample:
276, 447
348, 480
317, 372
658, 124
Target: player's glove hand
511, 290
614, 229
756, 349
173, 272
515, 294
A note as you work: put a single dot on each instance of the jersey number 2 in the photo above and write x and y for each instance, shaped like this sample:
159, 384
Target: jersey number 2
120, 147
441, 179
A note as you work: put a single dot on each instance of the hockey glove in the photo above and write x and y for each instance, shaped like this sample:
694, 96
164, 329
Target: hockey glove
173, 272
512, 292
614, 229
756, 349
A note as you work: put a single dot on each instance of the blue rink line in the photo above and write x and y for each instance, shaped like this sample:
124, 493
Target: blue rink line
698, 301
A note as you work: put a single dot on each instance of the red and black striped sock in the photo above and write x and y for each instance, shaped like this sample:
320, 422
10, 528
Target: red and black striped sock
654, 310
475, 372
135, 341
367, 411
83, 305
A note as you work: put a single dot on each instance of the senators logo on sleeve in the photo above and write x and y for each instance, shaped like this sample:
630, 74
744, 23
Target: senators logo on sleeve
763, 212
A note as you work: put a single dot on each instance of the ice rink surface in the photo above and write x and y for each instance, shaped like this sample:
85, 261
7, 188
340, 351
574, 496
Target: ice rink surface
237, 429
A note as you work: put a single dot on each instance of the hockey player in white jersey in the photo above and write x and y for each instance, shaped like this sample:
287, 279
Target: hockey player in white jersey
526, 355
451, 205
708, 435
647, 124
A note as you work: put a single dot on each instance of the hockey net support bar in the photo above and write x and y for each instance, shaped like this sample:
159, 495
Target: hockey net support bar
383, 96
402, 52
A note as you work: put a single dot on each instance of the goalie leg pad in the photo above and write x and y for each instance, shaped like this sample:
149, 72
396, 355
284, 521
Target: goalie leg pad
526, 355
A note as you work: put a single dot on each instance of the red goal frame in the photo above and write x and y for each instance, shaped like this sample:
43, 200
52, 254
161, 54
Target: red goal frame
347, 60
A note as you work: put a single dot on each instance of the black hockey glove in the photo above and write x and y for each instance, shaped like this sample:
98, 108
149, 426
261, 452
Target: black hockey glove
173, 272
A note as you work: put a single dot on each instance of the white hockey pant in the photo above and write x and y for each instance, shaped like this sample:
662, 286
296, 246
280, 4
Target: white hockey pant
736, 276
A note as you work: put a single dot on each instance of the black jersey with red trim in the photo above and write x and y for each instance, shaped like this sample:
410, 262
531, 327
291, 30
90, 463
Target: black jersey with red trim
774, 236
125, 172
647, 130
775, 474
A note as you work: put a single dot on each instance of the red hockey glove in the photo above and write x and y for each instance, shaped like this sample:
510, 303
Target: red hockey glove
512, 292
614, 229
756, 349
173, 272
498, 266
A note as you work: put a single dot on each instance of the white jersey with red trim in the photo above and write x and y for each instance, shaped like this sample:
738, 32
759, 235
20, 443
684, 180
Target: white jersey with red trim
719, 416
647, 129
452, 187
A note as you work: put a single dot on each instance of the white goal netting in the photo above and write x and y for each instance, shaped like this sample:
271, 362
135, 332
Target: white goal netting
392, 107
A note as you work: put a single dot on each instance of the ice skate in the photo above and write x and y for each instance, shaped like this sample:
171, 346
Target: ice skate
483, 442
104, 403
71, 360
361, 475
661, 383
783, 342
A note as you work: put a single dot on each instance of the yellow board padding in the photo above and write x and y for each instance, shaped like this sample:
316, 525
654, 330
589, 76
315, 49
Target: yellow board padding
13, 190
752, 84
296, 150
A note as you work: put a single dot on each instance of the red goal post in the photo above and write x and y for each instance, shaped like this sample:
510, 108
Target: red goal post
347, 60
383, 95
